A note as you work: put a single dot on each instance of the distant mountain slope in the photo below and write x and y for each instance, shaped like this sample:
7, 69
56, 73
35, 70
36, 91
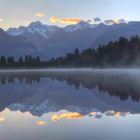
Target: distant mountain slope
37, 32
15, 46
64, 42
129, 30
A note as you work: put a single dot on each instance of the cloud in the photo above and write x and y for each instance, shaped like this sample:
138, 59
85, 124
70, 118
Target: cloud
89, 20
39, 14
92, 113
67, 116
70, 21
109, 22
1, 19
96, 114
96, 19
116, 21
117, 114
55, 19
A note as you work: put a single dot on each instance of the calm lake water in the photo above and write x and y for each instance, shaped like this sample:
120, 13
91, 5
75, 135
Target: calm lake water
70, 104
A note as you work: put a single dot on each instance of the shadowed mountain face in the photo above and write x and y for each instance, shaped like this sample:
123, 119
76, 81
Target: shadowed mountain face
80, 91
128, 30
15, 46
63, 42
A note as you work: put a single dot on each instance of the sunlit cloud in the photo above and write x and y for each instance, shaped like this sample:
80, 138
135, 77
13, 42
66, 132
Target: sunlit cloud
55, 19
41, 123
39, 14
96, 20
67, 116
70, 21
118, 21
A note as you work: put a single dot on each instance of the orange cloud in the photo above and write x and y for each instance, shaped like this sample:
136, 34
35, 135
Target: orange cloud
40, 123
55, 19
67, 116
70, 21
39, 14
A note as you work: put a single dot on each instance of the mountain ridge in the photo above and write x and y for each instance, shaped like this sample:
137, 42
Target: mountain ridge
53, 41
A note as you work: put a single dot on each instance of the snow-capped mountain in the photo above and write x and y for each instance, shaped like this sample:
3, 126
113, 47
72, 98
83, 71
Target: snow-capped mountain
46, 107
53, 41
47, 31
34, 28
15, 46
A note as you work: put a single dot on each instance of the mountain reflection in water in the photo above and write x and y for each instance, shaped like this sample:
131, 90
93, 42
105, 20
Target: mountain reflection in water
82, 91
69, 104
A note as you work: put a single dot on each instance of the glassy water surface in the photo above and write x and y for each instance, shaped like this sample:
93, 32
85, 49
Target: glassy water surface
70, 104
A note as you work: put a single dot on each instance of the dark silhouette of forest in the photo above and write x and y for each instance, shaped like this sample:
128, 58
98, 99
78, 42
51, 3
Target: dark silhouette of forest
27, 61
121, 53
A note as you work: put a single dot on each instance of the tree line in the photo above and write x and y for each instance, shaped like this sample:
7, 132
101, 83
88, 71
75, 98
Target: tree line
121, 53
27, 61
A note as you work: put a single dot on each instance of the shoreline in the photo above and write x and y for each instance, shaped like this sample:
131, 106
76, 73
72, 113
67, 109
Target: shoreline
66, 69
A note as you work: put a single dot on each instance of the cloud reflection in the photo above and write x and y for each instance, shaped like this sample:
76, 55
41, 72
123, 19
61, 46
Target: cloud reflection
2, 119
67, 116
41, 123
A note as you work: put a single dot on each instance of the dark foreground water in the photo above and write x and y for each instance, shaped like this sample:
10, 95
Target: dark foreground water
70, 104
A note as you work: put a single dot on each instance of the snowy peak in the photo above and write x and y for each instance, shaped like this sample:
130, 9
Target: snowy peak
47, 31
35, 27
15, 31
42, 29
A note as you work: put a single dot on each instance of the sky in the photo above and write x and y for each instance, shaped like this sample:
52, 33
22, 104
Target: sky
14, 13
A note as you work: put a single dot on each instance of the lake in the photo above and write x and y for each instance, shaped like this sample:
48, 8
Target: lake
70, 104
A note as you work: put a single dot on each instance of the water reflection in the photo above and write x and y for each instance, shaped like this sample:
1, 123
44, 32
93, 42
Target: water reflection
81, 91
18, 125
70, 104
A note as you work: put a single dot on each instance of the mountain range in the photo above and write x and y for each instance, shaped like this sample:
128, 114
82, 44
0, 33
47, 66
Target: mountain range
49, 41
